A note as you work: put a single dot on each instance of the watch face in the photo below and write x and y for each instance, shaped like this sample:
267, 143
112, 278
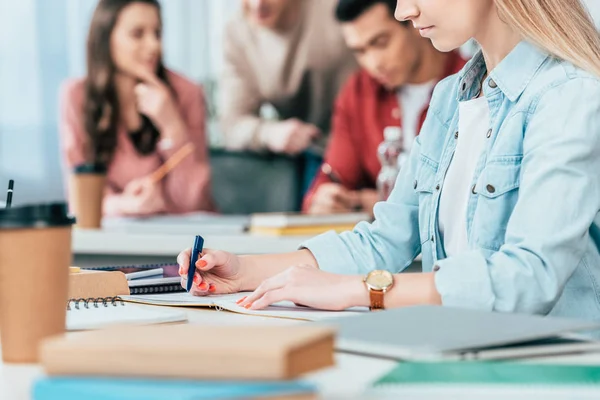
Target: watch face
380, 280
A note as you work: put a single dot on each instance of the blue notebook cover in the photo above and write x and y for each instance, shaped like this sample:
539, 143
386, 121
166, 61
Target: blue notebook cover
66, 388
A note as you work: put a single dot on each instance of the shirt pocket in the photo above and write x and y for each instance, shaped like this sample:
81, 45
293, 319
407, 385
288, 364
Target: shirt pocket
424, 186
498, 190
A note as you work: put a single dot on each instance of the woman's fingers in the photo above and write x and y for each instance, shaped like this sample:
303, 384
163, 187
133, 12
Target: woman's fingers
211, 259
183, 259
271, 297
276, 282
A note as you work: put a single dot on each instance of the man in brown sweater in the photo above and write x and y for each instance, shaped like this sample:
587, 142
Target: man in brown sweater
288, 55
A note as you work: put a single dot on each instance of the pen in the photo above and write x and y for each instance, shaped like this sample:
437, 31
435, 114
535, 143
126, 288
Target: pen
330, 173
196, 250
9, 193
144, 274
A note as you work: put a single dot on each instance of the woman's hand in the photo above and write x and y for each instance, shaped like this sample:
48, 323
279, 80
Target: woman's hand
311, 287
155, 100
143, 196
217, 272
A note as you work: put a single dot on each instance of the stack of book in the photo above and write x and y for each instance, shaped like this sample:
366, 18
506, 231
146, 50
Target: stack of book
184, 362
294, 224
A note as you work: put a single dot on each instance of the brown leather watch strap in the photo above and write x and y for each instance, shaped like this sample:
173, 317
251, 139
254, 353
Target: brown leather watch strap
376, 299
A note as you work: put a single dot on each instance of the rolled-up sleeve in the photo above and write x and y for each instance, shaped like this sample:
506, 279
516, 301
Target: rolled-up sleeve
548, 230
391, 242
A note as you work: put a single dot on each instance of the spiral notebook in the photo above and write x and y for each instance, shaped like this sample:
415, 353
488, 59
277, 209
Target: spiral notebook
99, 313
168, 281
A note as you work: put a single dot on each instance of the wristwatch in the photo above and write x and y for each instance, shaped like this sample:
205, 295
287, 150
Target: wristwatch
378, 282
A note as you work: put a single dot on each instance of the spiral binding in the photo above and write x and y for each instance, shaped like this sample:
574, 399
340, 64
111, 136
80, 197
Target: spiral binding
140, 266
94, 302
152, 289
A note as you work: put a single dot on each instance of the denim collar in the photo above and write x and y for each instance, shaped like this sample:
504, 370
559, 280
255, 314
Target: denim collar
511, 76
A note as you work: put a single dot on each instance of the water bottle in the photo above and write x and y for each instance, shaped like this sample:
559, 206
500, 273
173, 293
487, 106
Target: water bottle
389, 152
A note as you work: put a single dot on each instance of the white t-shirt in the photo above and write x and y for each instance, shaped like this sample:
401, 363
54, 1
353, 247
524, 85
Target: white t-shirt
473, 126
412, 100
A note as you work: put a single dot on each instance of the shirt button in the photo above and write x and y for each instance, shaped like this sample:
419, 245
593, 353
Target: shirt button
432, 239
436, 268
473, 189
456, 135
492, 84
415, 185
437, 187
490, 189
489, 134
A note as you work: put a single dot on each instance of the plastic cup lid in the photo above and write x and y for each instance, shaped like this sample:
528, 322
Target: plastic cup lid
36, 216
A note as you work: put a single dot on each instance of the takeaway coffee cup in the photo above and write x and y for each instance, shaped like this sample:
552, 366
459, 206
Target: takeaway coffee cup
86, 190
35, 254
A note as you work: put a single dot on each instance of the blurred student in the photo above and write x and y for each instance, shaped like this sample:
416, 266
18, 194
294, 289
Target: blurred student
131, 114
399, 70
290, 55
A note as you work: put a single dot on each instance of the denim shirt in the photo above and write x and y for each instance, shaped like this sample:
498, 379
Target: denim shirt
532, 216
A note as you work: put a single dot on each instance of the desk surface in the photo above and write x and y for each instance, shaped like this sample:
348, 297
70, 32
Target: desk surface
348, 380
352, 375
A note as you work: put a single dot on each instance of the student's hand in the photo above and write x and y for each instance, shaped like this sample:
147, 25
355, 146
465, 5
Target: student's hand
310, 287
217, 272
291, 136
334, 198
155, 100
143, 196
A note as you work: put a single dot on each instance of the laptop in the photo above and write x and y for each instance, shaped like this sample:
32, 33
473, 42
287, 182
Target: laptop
423, 333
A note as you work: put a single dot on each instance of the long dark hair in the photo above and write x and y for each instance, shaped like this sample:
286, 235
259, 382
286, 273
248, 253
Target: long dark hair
101, 107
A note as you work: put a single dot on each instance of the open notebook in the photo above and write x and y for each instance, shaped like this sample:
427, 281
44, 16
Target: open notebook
284, 309
88, 314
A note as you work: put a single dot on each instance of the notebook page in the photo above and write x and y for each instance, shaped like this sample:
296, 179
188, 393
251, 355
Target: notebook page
102, 317
288, 310
182, 299
284, 309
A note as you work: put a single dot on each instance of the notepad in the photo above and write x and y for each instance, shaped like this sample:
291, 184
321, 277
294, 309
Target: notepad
167, 282
515, 373
239, 352
284, 309
489, 380
125, 389
92, 314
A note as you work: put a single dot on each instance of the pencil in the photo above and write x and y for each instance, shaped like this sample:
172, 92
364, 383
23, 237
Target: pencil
172, 162
330, 173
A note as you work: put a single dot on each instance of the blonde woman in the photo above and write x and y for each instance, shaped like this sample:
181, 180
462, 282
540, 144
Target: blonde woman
502, 191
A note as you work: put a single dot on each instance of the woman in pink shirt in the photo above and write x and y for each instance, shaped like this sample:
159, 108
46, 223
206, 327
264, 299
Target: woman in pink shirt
131, 114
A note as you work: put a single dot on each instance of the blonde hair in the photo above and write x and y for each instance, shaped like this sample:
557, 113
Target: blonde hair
563, 28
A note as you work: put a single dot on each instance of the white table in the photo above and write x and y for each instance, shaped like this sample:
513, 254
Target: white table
117, 247
352, 375
107, 242
350, 379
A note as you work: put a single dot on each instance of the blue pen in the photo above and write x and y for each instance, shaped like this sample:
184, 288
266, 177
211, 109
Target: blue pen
196, 250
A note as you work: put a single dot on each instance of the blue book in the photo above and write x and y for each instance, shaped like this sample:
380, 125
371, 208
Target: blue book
67, 388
